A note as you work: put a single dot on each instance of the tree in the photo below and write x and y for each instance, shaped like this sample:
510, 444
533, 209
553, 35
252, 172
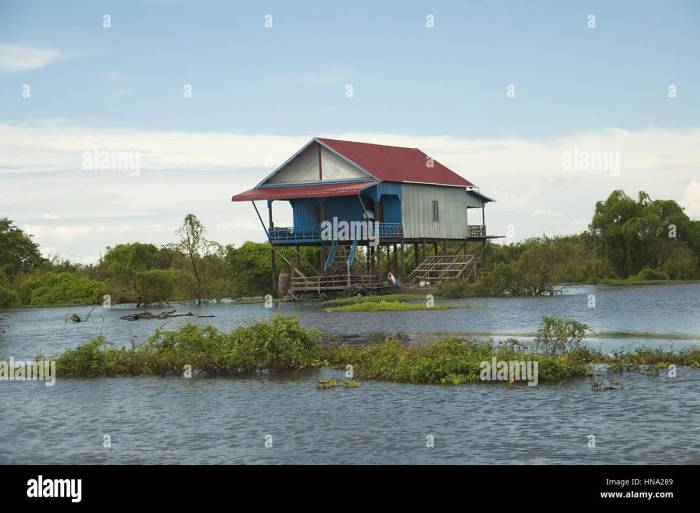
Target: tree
195, 247
125, 265
154, 285
250, 266
18, 252
61, 288
636, 234
8, 296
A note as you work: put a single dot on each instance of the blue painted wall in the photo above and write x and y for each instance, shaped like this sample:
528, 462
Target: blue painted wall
348, 208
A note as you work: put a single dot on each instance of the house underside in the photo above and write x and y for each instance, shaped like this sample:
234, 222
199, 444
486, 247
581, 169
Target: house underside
367, 207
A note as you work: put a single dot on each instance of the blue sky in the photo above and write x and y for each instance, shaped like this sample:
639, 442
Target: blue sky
289, 81
291, 78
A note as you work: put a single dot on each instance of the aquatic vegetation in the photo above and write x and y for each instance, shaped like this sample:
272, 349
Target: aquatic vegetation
386, 306
282, 344
332, 383
557, 336
278, 344
351, 300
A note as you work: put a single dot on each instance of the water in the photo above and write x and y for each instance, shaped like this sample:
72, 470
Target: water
171, 420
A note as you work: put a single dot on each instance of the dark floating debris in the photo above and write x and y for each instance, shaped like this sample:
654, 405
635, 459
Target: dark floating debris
146, 316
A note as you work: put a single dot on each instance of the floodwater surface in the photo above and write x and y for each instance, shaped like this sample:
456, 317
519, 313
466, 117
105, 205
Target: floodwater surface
651, 420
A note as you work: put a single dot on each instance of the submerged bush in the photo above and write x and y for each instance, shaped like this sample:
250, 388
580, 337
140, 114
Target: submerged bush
282, 343
279, 344
557, 336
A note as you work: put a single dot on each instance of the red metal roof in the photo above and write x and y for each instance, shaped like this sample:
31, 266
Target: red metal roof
395, 163
302, 191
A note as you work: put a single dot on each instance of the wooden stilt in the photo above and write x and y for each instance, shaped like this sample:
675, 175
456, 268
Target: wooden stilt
369, 261
273, 255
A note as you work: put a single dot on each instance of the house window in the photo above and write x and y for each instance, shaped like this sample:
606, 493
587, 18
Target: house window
436, 212
379, 212
320, 213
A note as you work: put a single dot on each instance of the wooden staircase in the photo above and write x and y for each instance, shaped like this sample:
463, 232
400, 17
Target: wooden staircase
336, 274
444, 267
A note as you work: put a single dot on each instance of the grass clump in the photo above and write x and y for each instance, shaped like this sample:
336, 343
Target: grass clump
332, 383
351, 300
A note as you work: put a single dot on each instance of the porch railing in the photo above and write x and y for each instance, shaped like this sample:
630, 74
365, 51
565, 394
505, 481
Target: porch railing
284, 233
289, 233
477, 231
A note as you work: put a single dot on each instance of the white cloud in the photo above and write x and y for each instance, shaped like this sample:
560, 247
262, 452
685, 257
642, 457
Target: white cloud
546, 213
198, 172
15, 58
691, 199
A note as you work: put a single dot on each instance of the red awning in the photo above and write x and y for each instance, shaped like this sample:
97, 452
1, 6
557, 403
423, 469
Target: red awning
303, 191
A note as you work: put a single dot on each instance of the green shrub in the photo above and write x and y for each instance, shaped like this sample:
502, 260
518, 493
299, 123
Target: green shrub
8, 296
54, 288
278, 344
282, 343
648, 273
456, 289
557, 336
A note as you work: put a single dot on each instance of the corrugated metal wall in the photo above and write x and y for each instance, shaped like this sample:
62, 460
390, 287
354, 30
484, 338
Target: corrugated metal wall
304, 218
417, 209
411, 202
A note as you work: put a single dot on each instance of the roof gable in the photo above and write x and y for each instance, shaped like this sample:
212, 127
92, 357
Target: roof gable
315, 163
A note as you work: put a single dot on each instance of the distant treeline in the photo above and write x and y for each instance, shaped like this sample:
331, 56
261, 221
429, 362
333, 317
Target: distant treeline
190, 268
628, 240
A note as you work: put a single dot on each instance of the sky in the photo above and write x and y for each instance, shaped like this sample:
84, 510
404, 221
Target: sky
547, 106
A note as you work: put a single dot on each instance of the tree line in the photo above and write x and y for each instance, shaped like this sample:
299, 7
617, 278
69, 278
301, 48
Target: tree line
631, 239
192, 267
